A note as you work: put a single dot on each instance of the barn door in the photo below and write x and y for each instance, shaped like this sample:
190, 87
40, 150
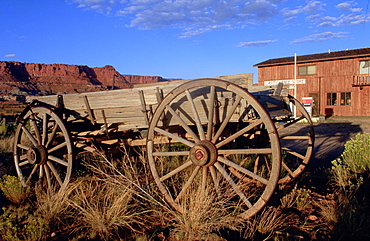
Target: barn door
316, 105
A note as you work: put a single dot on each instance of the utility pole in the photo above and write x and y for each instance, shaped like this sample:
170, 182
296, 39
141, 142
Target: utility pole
295, 83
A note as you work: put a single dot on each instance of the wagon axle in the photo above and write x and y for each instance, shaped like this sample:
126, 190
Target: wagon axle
204, 153
37, 155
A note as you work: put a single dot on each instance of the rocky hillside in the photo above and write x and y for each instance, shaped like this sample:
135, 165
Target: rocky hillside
19, 79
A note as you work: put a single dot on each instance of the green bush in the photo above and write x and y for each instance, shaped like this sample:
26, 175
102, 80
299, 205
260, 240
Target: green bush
354, 162
6, 129
13, 189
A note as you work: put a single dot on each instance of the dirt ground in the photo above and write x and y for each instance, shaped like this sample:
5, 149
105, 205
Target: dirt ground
330, 137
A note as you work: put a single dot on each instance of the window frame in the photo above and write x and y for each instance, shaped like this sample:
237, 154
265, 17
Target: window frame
331, 99
345, 101
364, 63
305, 69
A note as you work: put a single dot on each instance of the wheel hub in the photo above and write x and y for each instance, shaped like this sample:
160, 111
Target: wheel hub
37, 155
204, 153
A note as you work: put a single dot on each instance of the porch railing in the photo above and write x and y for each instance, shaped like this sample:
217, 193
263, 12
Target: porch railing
361, 80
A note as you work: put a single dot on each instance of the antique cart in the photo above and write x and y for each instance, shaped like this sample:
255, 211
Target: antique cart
204, 133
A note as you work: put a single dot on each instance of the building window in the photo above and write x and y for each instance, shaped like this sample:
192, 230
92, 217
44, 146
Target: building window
345, 98
365, 67
306, 70
332, 99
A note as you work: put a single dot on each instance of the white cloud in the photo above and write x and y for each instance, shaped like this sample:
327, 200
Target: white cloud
310, 8
103, 6
343, 20
255, 43
320, 37
347, 7
9, 55
193, 17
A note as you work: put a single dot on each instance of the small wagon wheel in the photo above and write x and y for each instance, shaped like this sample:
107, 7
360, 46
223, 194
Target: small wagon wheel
43, 149
194, 141
297, 142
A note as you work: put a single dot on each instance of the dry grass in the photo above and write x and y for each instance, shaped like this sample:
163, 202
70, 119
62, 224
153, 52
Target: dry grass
204, 213
6, 144
116, 198
102, 208
267, 223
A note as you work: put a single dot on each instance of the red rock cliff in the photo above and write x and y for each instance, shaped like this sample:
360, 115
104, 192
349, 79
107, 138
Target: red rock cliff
30, 78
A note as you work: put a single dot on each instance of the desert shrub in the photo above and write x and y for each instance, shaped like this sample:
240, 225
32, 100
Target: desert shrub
13, 189
357, 153
298, 198
20, 223
348, 170
354, 160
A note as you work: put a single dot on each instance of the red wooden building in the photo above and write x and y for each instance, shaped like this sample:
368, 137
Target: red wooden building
339, 82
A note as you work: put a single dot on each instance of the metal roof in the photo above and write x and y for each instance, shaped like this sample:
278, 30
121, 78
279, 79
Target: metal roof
354, 53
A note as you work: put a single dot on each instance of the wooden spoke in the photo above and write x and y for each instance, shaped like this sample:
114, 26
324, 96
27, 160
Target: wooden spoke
55, 148
41, 172
52, 136
177, 170
23, 157
188, 183
256, 164
292, 122
30, 136
227, 119
34, 169
196, 117
239, 133
233, 185
35, 128
294, 137
175, 137
211, 111
173, 153
293, 153
242, 170
24, 147
285, 166
245, 151
55, 172
58, 160
215, 179
204, 177
48, 176
44, 129
183, 124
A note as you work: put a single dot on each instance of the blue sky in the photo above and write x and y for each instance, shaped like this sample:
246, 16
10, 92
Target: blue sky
178, 38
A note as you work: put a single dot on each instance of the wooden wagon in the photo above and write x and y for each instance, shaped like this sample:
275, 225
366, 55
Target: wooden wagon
210, 133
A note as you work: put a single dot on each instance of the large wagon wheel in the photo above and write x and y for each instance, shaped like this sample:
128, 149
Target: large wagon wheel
193, 143
297, 142
43, 149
